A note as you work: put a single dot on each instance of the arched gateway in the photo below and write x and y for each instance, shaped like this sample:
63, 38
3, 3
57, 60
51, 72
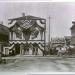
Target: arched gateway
27, 32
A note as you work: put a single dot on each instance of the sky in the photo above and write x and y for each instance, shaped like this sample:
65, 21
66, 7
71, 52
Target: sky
61, 14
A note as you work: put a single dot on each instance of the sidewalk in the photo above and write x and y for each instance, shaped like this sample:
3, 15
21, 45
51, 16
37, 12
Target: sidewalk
36, 56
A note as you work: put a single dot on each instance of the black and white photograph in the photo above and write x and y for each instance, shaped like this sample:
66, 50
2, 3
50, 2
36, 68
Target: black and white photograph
37, 37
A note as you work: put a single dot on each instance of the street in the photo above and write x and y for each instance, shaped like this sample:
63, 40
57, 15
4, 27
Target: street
39, 64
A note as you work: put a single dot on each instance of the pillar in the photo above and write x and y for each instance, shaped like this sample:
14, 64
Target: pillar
44, 39
11, 35
41, 34
20, 49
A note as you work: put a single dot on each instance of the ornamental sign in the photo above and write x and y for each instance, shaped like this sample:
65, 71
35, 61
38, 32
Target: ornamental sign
26, 24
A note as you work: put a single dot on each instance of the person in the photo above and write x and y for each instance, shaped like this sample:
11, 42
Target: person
59, 51
33, 51
35, 48
26, 48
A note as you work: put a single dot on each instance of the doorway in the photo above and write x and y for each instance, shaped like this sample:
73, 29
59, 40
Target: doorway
17, 48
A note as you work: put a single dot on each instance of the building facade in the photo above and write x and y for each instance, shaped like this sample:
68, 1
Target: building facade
25, 33
4, 37
73, 33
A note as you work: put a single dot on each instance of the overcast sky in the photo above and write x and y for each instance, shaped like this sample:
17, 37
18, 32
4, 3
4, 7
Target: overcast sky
62, 14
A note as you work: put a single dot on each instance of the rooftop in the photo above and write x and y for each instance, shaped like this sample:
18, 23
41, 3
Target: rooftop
29, 17
4, 30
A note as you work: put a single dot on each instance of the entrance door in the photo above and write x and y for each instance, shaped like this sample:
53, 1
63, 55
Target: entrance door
17, 48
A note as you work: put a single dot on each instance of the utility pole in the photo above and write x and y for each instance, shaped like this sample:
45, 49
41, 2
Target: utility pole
49, 35
49, 29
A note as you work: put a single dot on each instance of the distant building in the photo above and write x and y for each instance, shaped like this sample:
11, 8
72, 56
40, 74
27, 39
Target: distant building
57, 41
4, 36
73, 33
67, 40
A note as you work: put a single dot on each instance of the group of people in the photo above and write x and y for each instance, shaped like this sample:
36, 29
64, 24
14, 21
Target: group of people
62, 50
27, 47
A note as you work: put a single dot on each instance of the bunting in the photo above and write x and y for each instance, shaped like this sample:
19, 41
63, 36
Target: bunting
29, 28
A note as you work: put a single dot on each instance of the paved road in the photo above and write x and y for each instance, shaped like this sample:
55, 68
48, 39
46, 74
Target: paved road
39, 64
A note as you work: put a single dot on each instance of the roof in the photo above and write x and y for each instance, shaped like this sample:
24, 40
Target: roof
29, 17
4, 30
19, 22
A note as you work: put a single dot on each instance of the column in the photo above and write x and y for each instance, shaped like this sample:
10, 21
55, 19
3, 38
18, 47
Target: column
44, 39
20, 49
11, 35
41, 34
